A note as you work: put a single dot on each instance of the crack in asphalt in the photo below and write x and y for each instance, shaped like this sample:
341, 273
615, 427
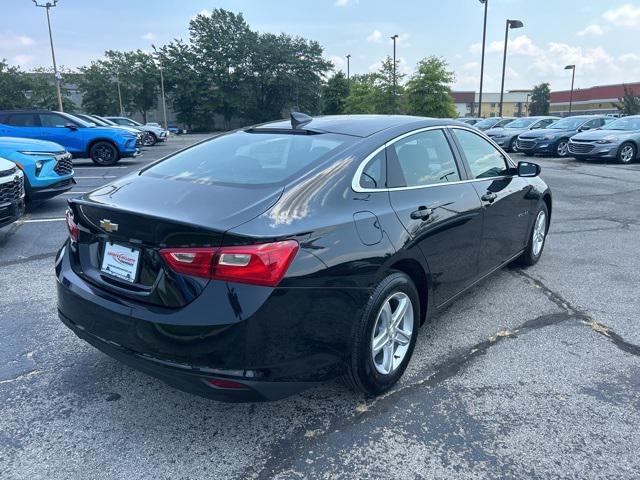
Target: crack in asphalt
293, 447
18, 261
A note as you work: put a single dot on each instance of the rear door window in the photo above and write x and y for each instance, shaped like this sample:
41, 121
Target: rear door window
53, 120
421, 159
22, 120
248, 158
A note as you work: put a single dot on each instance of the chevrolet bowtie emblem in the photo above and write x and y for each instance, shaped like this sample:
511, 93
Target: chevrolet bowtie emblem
108, 226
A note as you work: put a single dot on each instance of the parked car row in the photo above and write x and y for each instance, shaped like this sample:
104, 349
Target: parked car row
580, 136
37, 149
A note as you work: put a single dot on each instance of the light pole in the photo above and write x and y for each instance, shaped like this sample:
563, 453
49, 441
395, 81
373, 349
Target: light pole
119, 95
56, 76
394, 38
348, 70
527, 106
573, 77
164, 101
509, 24
484, 39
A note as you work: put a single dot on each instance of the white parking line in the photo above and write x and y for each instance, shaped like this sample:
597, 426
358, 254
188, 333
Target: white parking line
73, 193
94, 168
43, 220
97, 178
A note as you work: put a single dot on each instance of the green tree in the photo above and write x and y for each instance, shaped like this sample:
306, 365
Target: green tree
139, 79
13, 87
364, 95
42, 90
222, 44
334, 94
373, 92
428, 91
629, 103
184, 85
540, 96
99, 89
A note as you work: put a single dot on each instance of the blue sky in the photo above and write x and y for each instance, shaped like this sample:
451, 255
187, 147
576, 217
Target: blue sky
600, 37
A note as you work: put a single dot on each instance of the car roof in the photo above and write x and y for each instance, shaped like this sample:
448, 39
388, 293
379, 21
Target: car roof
355, 125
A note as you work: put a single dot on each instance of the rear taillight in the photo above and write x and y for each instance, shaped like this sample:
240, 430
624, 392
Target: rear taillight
263, 264
74, 231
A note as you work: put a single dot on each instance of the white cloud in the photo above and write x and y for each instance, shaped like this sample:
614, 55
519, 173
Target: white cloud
520, 45
403, 66
593, 29
10, 41
375, 37
338, 61
625, 16
471, 66
402, 40
149, 36
22, 60
342, 3
629, 57
204, 12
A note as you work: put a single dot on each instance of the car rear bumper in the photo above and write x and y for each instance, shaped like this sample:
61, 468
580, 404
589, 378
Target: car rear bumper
291, 341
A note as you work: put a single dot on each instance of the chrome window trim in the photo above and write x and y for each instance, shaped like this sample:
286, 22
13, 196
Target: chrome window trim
355, 182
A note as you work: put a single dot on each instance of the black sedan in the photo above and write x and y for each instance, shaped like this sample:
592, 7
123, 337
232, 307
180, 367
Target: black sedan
260, 262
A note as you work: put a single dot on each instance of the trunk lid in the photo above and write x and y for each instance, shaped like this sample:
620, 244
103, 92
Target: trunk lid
145, 214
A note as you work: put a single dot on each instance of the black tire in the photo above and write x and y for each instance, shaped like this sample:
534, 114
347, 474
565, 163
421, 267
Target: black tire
362, 374
622, 157
560, 151
530, 257
149, 139
104, 153
513, 145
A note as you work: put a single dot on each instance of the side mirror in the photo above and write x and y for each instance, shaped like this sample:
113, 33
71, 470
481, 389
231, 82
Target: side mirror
582, 129
71, 126
528, 169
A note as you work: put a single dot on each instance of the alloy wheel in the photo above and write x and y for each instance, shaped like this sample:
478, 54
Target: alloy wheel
104, 153
539, 232
626, 154
392, 333
563, 148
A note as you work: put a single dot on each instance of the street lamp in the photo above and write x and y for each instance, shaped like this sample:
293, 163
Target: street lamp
573, 77
484, 39
394, 38
348, 70
164, 101
509, 24
56, 76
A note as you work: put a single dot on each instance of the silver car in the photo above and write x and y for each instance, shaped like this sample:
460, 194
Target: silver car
507, 136
617, 140
492, 122
153, 134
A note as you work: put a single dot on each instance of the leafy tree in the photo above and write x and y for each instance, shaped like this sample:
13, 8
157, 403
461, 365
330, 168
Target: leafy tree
364, 95
287, 74
629, 103
99, 89
184, 84
373, 92
540, 96
139, 79
428, 91
334, 93
42, 90
13, 87
223, 44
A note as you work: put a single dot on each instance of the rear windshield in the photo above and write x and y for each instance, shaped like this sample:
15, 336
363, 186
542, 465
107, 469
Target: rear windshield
630, 123
487, 122
521, 123
568, 123
248, 158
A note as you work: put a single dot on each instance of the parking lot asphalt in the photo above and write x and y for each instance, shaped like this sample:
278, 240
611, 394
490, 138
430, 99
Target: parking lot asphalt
532, 374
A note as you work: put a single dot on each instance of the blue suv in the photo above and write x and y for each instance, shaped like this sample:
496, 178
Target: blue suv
47, 167
105, 146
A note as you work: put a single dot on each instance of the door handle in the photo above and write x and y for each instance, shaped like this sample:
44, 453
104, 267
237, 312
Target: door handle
489, 197
422, 213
